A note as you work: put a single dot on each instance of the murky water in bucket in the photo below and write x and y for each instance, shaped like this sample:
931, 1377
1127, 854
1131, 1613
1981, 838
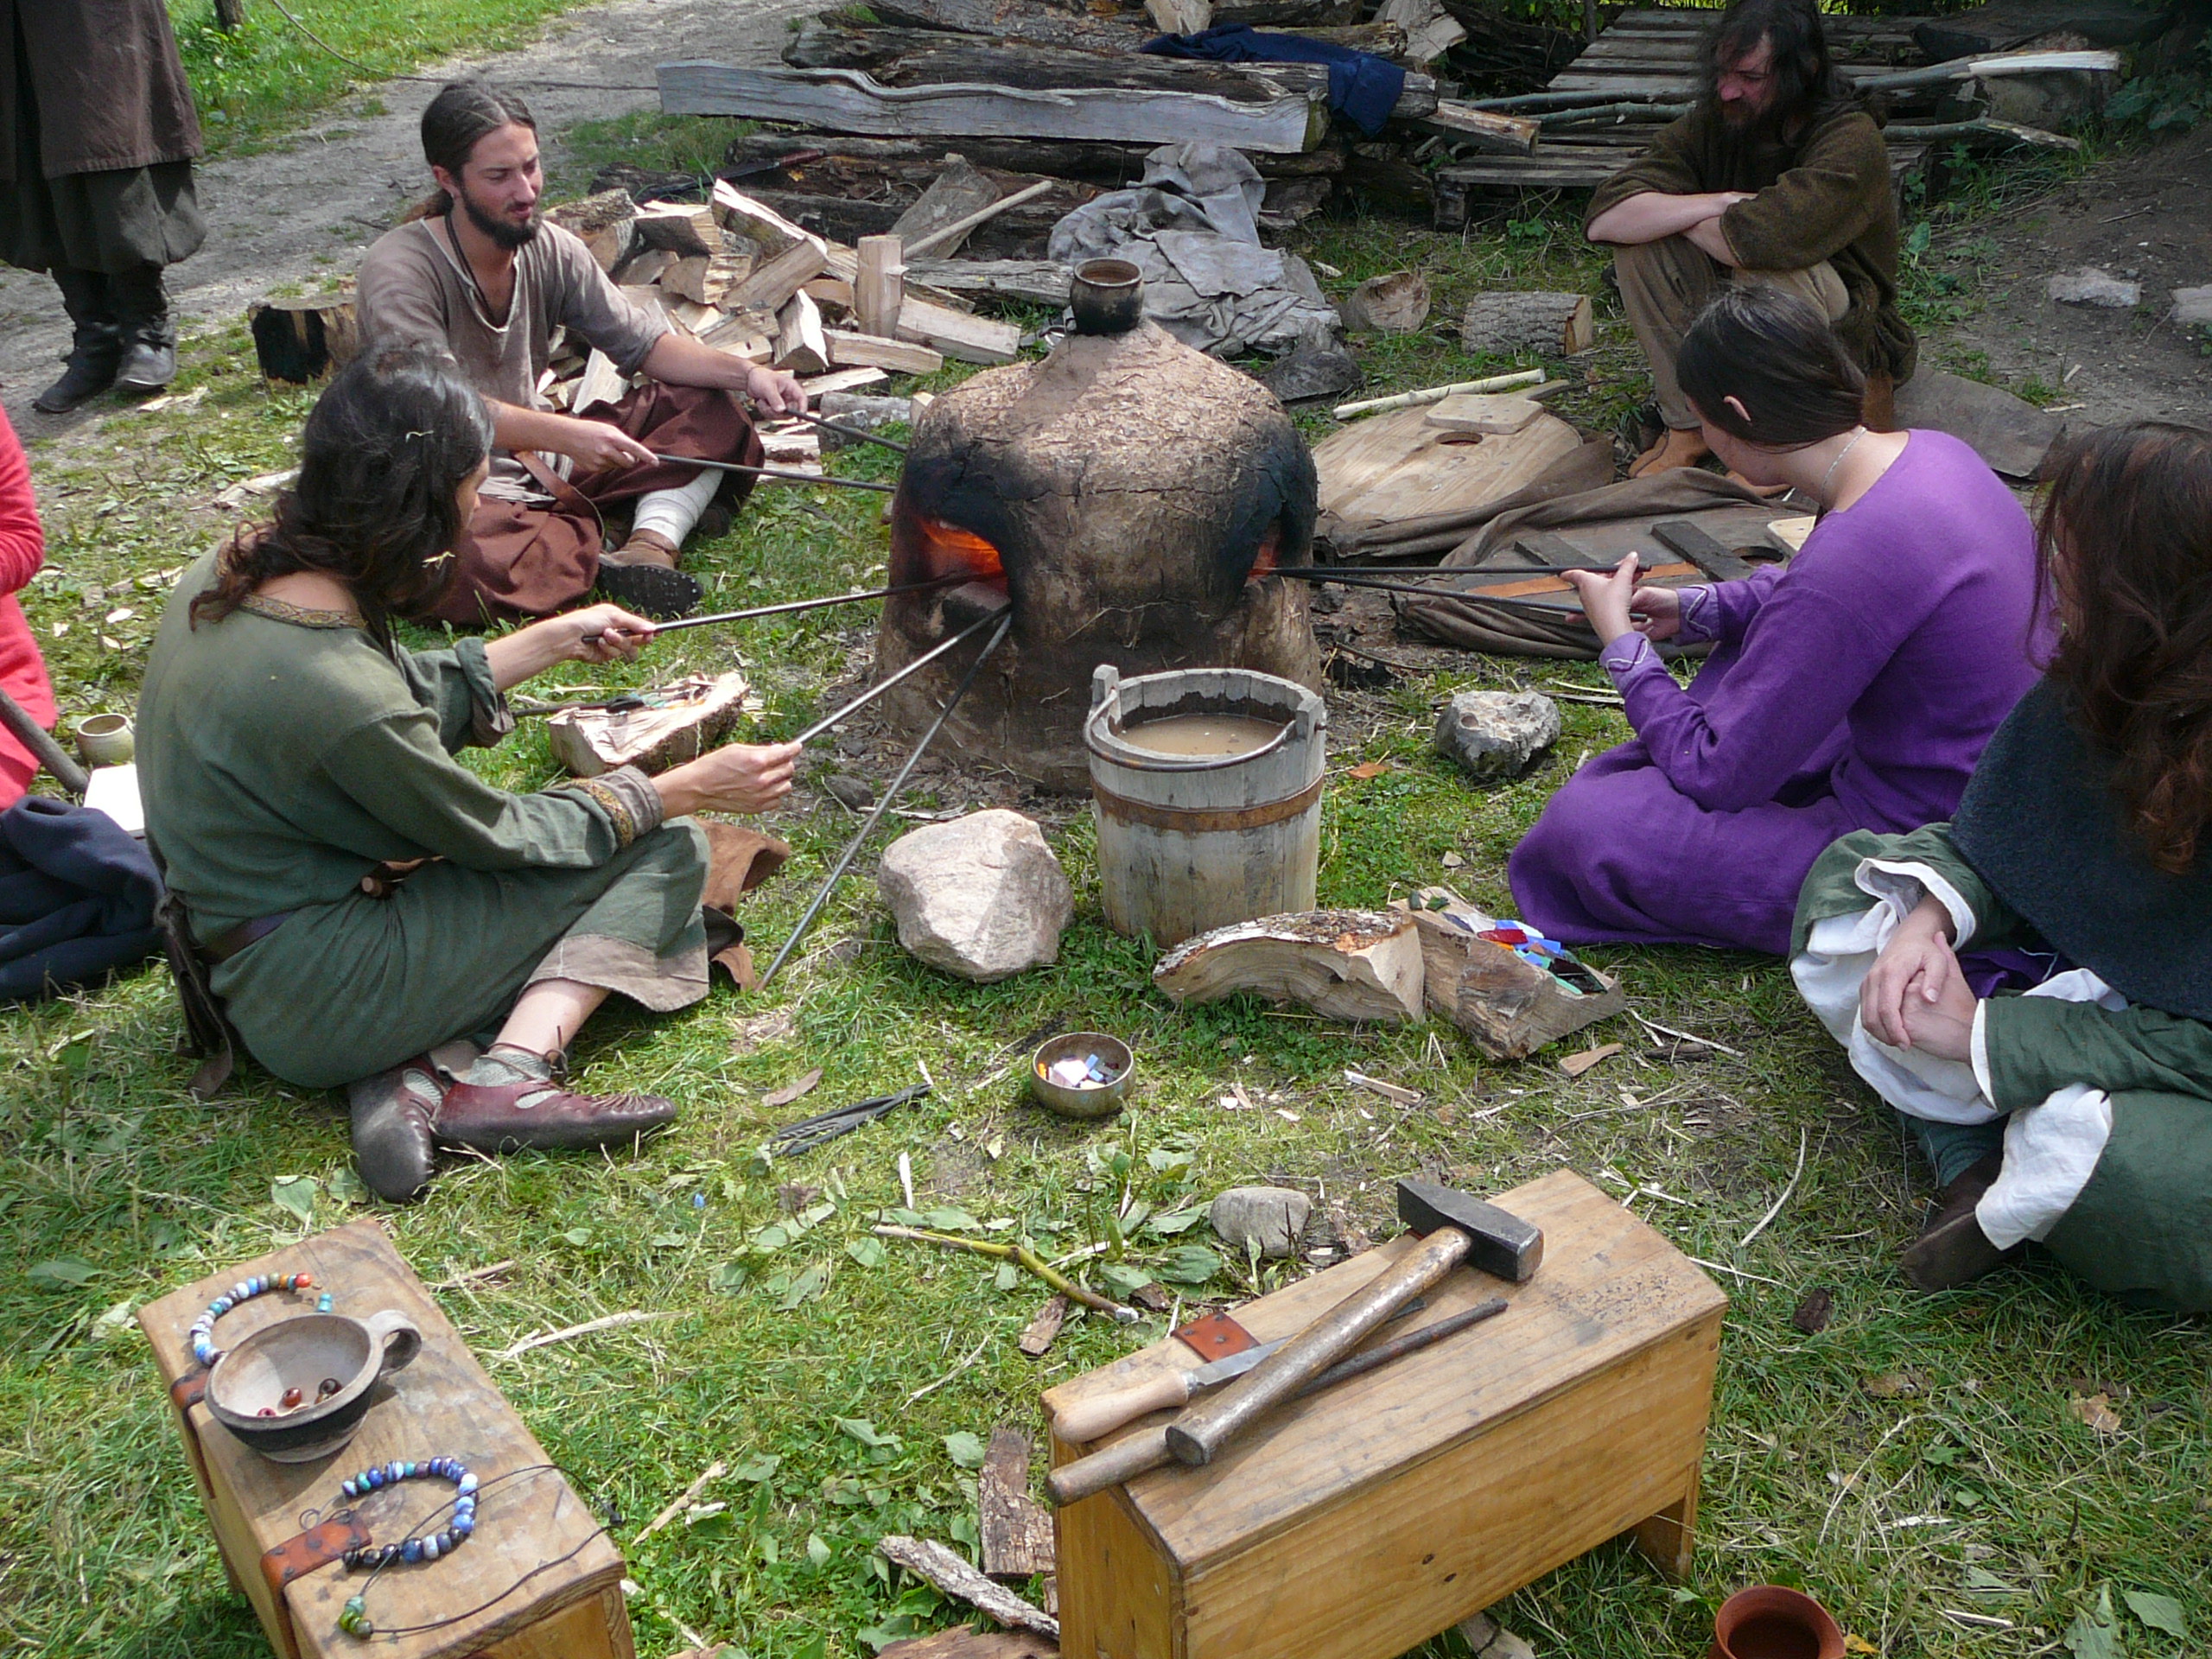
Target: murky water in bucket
1202, 734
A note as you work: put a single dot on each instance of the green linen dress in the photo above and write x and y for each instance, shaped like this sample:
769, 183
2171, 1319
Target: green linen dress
283, 753
2141, 1229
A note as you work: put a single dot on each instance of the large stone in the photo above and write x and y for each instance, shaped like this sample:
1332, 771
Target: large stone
981, 897
2089, 286
1488, 1639
1274, 1218
1495, 735
2193, 305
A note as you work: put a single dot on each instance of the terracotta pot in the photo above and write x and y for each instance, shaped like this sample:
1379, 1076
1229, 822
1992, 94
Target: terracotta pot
1768, 1622
300, 1353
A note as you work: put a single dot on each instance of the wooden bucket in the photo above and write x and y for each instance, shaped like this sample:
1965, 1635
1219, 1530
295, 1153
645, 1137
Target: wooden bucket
1189, 844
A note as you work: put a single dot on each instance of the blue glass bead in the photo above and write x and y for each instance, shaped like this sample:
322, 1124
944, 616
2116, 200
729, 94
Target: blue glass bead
376, 1479
322, 1303
468, 1484
432, 1547
463, 1525
346, 1489
411, 1550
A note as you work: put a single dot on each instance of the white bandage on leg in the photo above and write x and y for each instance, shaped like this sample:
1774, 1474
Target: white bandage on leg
673, 513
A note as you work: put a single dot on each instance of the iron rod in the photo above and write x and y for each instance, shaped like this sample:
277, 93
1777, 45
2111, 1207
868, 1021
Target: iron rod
660, 628
882, 686
1470, 597
777, 472
891, 792
860, 434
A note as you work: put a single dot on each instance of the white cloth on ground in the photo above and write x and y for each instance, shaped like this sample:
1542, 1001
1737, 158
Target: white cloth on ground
2051, 1149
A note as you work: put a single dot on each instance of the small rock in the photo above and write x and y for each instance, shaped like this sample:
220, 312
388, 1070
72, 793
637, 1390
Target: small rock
2089, 286
1274, 1218
1488, 1639
1813, 1313
981, 897
850, 791
2193, 305
1314, 372
1495, 735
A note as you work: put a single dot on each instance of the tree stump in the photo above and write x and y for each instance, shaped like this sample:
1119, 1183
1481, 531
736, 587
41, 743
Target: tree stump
230, 15
1511, 324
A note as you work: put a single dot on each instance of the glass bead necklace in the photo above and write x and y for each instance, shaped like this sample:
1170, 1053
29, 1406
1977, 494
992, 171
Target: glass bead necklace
203, 1328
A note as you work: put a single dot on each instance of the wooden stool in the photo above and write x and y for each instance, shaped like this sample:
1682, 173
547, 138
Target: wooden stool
443, 1405
1358, 1522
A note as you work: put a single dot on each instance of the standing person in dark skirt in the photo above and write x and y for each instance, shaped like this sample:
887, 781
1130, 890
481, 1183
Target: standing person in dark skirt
97, 136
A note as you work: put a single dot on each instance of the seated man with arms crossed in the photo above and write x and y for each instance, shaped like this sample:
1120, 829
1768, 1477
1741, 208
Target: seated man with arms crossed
480, 276
1776, 175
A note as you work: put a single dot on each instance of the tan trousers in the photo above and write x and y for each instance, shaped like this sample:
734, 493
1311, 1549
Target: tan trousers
1664, 285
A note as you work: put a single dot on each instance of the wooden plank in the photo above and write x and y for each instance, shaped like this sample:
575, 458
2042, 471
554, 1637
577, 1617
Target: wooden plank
847, 100
443, 1399
964, 1642
821, 385
1032, 282
1017, 1530
1487, 130
851, 351
958, 333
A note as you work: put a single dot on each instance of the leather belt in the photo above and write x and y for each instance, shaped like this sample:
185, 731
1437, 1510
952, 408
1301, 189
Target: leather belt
227, 944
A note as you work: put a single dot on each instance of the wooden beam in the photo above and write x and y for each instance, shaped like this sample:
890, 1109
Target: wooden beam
880, 289
1504, 134
1031, 281
847, 100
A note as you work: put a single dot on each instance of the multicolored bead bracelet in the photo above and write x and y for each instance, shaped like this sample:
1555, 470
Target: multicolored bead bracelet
353, 1618
203, 1328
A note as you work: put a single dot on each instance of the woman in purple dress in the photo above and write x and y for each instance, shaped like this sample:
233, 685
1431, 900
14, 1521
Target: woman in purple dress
1852, 689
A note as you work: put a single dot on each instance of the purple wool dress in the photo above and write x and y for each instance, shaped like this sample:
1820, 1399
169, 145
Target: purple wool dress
1854, 689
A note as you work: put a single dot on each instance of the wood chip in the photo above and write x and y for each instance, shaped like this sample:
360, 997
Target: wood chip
1389, 1091
1891, 1385
1575, 1065
2095, 1410
1017, 1530
1042, 1332
792, 1091
1367, 769
941, 1567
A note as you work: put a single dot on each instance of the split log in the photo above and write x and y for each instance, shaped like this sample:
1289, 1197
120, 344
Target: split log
1030, 282
749, 334
958, 333
848, 349
800, 347
736, 211
680, 227
1179, 17
1343, 964
1483, 129
680, 723
1017, 1530
771, 285
849, 101
707, 280
1113, 165
606, 223
996, 20
952, 235
940, 1566
957, 192
602, 383
880, 288
298, 340
819, 387
829, 290
645, 267
1393, 304
1508, 324
1509, 1005
1431, 31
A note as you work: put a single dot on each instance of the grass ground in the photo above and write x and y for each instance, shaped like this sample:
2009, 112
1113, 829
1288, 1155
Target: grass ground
1924, 1465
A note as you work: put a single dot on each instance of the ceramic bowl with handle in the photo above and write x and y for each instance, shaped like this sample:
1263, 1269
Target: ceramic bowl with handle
309, 1352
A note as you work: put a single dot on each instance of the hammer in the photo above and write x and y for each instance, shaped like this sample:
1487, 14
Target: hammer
1453, 1228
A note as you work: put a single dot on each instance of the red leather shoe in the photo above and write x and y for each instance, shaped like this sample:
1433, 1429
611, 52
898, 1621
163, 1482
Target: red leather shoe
535, 1110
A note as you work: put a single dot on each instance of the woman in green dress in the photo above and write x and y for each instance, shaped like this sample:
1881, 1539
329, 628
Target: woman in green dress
2030, 984
362, 898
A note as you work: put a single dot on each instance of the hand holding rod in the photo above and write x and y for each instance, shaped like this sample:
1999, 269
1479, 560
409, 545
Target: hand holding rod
777, 472
720, 617
859, 435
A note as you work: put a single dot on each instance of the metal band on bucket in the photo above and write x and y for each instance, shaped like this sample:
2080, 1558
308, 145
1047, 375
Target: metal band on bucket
1191, 821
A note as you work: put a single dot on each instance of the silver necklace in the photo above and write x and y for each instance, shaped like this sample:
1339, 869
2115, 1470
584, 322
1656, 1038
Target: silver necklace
1829, 477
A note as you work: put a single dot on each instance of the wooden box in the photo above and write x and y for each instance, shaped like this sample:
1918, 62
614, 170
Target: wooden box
1358, 1522
443, 1405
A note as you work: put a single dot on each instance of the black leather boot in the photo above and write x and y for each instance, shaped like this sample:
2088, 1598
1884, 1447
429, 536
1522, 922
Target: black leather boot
97, 350
142, 312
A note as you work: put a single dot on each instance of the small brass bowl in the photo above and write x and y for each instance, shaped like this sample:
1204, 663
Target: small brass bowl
1092, 1100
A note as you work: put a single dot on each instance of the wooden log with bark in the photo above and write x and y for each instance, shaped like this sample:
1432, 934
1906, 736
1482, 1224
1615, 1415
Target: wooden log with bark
1017, 1530
850, 350
300, 340
1261, 116
679, 722
1509, 323
606, 223
938, 1566
1509, 1005
1113, 165
1343, 964
1026, 281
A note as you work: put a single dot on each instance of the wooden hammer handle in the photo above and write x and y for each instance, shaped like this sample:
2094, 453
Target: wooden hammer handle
1204, 1429
1124, 1460
1101, 1414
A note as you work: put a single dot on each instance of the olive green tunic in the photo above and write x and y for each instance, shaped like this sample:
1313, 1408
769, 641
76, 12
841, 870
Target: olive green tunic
2142, 1227
283, 753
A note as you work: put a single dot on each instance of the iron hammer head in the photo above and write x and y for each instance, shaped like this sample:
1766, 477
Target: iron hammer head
1504, 1245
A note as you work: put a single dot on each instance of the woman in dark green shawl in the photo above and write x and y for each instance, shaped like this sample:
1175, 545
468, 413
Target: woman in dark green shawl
2032, 983
361, 899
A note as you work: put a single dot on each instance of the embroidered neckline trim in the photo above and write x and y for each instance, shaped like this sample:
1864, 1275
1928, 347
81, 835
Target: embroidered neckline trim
279, 610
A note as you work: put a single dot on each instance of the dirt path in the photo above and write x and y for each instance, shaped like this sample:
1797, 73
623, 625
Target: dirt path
304, 213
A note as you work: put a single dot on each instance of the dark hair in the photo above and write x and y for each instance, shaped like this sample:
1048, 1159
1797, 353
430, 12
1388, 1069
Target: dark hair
386, 449
1805, 77
2127, 555
1776, 355
459, 118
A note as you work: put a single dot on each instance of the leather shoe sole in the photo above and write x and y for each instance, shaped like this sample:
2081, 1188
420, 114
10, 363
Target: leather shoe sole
495, 1118
651, 590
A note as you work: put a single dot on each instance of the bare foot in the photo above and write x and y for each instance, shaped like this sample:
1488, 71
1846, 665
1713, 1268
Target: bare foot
644, 547
1682, 446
